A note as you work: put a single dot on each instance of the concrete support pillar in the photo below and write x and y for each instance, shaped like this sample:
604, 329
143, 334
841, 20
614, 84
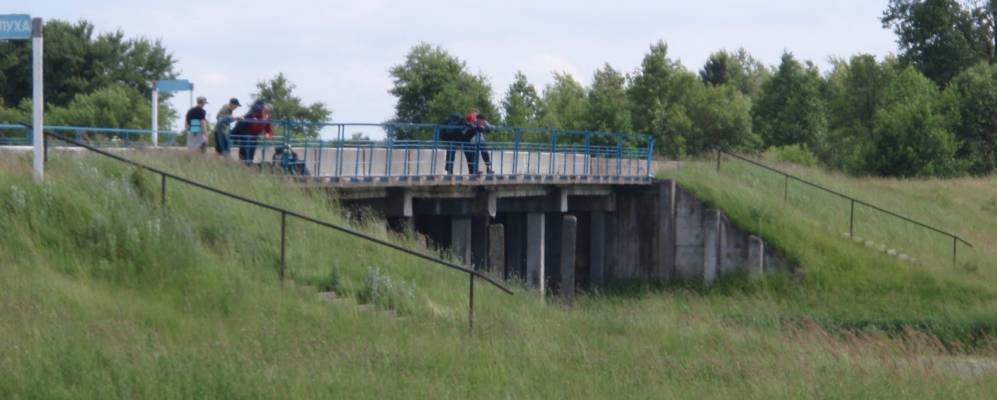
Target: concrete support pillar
569, 230
756, 256
711, 245
535, 243
496, 250
597, 248
479, 242
515, 229
664, 249
460, 238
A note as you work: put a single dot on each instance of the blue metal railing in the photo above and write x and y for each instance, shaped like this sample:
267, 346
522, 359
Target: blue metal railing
20, 135
412, 151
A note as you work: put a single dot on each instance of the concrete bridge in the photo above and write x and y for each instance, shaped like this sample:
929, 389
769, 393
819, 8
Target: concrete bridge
561, 210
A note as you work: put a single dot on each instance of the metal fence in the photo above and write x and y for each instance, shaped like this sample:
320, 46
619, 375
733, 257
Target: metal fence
284, 214
19, 135
852, 202
408, 151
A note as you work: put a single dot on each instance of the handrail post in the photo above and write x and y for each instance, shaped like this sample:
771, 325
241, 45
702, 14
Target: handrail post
517, 134
553, 151
785, 194
162, 192
436, 144
390, 141
955, 243
470, 305
619, 155
283, 242
650, 155
588, 154
718, 160
851, 221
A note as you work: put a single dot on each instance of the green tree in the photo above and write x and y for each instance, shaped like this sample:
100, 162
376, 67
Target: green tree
607, 109
855, 90
78, 62
657, 93
431, 84
114, 106
521, 103
279, 92
941, 37
563, 103
720, 117
909, 136
790, 108
972, 96
739, 70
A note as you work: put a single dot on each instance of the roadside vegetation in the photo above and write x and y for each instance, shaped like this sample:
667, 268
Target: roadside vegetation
106, 295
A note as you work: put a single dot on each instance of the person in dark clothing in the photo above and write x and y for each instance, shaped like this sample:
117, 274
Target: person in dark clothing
474, 133
196, 125
451, 138
246, 132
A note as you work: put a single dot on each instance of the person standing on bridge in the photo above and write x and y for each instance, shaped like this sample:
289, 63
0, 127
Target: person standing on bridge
481, 126
246, 132
196, 125
222, 124
451, 137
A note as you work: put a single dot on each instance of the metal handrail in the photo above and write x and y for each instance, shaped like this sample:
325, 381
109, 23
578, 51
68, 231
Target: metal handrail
285, 213
851, 227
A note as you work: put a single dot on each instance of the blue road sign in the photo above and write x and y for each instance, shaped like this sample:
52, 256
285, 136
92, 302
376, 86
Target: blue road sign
174, 85
15, 26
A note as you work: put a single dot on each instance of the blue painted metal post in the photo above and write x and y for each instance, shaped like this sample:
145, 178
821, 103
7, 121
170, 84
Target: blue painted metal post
619, 155
340, 139
588, 153
650, 155
390, 141
517, 135
553, 151
436, 144
318, 164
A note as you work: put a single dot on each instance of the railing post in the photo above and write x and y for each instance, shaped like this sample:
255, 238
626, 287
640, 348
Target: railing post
650, 155
470, 305
553, 151
955, 243
517, 137
436, 144
162, 192
785, 195
619, 155
588, 153
390, 141
718, 160
283, 242
851, 220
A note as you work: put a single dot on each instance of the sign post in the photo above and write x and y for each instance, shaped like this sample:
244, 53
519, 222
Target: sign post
169, 86
37, 101
22, 27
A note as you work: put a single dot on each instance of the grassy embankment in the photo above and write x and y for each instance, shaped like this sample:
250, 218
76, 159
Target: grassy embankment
103, 294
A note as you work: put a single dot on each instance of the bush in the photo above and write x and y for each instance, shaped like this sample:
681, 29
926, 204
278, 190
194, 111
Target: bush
380, 290
794, 153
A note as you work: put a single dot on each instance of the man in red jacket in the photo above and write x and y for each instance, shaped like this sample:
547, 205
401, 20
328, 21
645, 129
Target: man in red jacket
246, 133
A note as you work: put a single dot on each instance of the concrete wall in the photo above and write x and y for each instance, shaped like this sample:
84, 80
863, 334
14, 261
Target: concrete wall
668, 233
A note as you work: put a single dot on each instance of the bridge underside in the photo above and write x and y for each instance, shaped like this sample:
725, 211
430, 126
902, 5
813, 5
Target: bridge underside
649, 231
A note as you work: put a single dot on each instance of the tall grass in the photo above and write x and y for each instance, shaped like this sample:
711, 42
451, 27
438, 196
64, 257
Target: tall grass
104, 294
848, 283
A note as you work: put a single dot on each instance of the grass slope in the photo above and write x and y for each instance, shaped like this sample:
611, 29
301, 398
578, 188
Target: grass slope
849, 284
103, 294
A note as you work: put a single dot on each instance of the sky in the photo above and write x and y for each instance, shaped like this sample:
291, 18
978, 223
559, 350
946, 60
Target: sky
339, 52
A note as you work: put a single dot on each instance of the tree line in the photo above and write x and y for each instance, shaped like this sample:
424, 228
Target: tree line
931, 110
105, 80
